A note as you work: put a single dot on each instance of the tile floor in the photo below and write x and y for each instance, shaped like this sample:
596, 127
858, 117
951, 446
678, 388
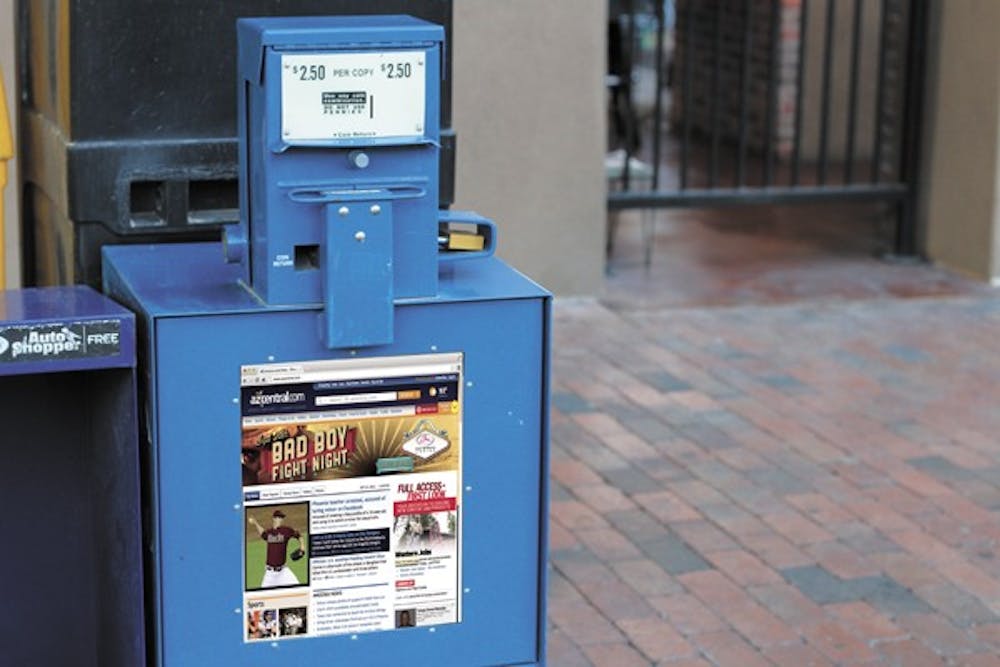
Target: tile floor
788, 460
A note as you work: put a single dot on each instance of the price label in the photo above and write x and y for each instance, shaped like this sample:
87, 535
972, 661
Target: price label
353, 95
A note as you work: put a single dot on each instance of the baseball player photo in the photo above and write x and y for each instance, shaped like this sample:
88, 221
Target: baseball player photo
276, 555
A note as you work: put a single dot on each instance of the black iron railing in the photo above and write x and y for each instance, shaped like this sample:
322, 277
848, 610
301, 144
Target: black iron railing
743, 107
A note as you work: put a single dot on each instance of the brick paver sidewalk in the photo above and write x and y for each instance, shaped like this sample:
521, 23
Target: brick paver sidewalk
788, 485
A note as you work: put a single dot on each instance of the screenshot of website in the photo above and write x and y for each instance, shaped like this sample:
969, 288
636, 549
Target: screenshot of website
352, 495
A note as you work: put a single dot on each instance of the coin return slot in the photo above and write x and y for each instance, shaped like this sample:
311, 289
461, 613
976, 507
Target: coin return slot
306, 257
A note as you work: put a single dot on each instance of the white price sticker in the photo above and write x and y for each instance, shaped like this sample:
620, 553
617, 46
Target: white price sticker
353, 95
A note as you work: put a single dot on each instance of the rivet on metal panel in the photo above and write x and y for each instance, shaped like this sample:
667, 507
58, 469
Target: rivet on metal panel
359, 159
343, 211
375, 209
360, 236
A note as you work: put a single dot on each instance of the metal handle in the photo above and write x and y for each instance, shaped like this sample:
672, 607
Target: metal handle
327, 196
484, 226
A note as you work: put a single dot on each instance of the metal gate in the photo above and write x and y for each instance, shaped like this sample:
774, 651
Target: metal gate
770, 102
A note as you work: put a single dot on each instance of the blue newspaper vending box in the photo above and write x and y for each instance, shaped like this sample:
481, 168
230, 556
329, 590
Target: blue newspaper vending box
69, 484
348, 418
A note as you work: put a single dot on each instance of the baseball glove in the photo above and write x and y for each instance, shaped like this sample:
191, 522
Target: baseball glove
298, 554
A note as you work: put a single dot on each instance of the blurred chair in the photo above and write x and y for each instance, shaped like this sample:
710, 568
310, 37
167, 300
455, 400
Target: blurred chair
640, 177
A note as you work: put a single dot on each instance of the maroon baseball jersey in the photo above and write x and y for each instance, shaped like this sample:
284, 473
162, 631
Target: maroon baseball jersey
277, 544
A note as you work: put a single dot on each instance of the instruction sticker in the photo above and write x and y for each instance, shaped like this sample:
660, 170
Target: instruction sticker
352, 495
353, 95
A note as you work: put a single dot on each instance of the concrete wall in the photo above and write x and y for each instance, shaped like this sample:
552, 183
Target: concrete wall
529, 112
961, 179
11, 225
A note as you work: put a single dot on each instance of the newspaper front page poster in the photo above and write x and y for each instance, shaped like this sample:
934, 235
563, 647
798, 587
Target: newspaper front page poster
352, 495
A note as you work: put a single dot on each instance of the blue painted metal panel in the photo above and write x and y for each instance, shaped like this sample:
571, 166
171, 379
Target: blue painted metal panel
203, 327
191, 279
198, 362
543, 514
306, 31
356, 263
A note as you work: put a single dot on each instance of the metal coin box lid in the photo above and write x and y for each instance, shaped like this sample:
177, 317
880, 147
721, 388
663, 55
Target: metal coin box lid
339, 166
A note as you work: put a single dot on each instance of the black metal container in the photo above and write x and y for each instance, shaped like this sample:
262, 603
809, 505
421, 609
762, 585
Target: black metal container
128, 121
